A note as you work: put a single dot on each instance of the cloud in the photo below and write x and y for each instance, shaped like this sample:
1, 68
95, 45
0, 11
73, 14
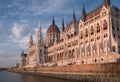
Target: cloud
20, 30
20, 34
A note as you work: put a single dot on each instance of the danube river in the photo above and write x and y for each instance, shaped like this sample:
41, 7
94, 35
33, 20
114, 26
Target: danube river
14, 77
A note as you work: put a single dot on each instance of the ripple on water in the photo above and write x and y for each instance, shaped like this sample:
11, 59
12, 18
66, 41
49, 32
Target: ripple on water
14, 77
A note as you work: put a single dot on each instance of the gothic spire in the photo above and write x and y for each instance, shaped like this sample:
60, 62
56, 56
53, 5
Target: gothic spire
63, 27
39, 39
83, 17
31, 39
53, 21
39, 29
74, 17
22, 53
107, 3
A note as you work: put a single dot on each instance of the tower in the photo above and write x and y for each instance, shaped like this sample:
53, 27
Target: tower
39, 38
63, 26
74, 17
83, 15
39, 46
30, 40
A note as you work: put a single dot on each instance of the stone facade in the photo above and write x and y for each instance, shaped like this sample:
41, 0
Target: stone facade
94, 39
22, 60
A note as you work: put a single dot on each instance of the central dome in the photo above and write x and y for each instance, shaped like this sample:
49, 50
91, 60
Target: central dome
53, 28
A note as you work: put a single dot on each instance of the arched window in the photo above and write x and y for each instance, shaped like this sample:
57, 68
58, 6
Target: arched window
81, 35
86, 33
114, 49
95, 60
105, 25
92, 30
113, 27
98, 28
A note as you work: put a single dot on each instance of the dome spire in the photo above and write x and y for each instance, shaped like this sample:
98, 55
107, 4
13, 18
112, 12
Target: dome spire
74, 16
83, 17
63, 27
53, 21
39, 24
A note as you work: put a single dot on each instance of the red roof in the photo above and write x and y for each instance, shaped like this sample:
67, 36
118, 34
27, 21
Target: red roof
53, 29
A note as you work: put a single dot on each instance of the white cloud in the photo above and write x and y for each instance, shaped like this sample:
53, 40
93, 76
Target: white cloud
20, 34
20, 30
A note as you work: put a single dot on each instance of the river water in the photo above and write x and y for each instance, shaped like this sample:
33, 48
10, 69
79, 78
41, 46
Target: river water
14, 77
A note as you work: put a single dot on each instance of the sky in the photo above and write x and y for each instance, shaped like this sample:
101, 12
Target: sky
18, 17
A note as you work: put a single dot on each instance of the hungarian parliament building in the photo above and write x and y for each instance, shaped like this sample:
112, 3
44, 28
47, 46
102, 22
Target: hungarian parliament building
94, 39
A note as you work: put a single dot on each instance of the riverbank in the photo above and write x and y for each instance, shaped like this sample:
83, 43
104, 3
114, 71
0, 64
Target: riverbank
84, 73
82, 77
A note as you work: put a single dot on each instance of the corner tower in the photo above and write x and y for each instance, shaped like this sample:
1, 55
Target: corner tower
30, 40
39, 46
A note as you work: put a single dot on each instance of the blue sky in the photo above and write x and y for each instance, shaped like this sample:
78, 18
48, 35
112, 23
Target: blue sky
17, 17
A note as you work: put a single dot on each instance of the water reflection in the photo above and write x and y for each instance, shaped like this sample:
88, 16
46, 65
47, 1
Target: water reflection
13, 77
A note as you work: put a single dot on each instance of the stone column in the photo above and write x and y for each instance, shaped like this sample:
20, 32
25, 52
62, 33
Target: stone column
91, 51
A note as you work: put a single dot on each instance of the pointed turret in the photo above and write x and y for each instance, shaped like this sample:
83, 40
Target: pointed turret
107, 3
39, 39
30, 40
39, 33
22, 53
39, 46
74, 17
63, 26
83, 15
53, 21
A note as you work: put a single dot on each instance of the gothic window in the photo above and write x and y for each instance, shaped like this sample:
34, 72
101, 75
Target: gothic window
86, 41
89, 54
101, 59
92, 39
119, 36
98, 28
118, 29
119, 49
81, 43
73, 53
117, 23
105, 25
114, 35
92, 30
82, 62
113, 25
114, 49
95, 60
81, 35
105, 35
86, 33
98, 37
